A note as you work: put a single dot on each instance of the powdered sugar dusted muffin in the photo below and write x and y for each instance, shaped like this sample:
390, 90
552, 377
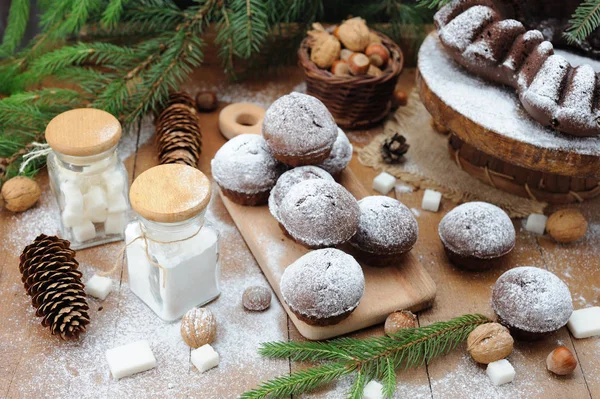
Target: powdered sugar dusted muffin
531, 302
323, 287
299, 130
386, 230
319, 213
245, 170
288, 180
340, 156
476, 235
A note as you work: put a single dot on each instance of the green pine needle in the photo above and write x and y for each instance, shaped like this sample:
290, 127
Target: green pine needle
584, 21
372, 358
113, 13
433, 4
18, 15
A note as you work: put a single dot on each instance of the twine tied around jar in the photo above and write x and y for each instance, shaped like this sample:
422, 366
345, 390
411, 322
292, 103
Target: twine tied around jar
144, 236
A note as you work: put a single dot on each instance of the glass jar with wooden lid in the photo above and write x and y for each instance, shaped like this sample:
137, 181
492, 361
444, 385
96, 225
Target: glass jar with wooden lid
172, 251
87, 177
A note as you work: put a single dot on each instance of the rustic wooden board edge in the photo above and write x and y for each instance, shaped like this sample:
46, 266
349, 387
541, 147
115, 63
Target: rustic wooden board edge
508, 149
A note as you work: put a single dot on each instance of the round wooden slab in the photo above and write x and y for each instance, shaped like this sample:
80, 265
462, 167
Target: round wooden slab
491, 119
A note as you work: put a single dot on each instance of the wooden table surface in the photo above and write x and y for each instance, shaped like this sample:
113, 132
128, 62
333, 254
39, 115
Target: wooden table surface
34, 364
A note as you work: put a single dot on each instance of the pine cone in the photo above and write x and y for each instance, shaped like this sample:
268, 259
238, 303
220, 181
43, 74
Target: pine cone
394, 148
178, 135
50, 276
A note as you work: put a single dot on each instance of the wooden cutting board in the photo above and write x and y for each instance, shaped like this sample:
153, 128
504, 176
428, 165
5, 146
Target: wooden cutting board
406, 286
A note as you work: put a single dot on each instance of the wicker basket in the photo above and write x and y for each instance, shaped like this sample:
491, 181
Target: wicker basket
357, 101
547, 187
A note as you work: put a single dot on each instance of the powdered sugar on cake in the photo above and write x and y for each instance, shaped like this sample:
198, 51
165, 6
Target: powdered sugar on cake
532, 299
340, 156
244, 164
323, 283
479, 229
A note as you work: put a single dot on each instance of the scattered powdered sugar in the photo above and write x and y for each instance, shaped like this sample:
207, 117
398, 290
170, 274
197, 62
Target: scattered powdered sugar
532, 299
403, 189
298, 124
477, 229
323, 283
415, 212
319, 213
245, 164
386, 226
289, 179
340, 156
494, 107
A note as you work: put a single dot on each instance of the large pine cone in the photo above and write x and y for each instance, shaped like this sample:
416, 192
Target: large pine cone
50, 276
178, 135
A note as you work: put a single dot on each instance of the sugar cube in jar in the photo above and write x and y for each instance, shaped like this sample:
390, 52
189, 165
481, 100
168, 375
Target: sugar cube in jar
180, 270
87, 177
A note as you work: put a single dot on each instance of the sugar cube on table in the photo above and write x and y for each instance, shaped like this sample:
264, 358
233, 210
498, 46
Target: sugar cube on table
115, 223
205, 358
500, 372
98, 287
373, 390
84, 231
536, 223
383, 183
431, 200
585, 323
117, 203
130, 359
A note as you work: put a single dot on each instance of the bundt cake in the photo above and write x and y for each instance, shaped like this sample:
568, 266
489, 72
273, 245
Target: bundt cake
553, 92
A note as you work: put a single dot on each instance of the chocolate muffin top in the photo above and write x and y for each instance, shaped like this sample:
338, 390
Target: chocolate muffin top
477, 229
319, 213
298, 124
244, 164
289, 179
532, 299
323, 283
340, 156
386, 226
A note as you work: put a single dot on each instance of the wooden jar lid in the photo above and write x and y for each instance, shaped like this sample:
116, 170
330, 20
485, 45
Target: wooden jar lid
83, 132
170, 193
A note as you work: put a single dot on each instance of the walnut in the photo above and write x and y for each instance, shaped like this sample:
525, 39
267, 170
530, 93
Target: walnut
198, 327
20, 193
566, 225
354, 34
325, 48
489, 342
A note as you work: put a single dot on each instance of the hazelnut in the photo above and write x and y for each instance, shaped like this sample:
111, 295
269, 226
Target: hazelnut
353, 33
566, 225
206, 101
374, 38
358, 63
398, 321
345, 54
374, 71
198, 327
20, 193
399, 98
489, 342
561, 361
325, 48
378, 54
340, 68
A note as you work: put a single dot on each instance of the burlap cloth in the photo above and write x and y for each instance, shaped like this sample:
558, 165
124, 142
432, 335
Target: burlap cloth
429, 165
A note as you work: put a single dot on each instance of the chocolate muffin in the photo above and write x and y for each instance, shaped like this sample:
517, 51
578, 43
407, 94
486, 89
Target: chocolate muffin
290, 179
299, 130
387, 229
340, 156
476, 235
318, 213
323, 287
245, 170
531, 302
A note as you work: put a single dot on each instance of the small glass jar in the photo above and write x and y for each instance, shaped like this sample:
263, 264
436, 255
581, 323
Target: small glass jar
87, 177
172, 251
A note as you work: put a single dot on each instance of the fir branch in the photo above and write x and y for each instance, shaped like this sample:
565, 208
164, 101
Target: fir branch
18, 15
249, 25
113, 13
584, 21
78, 15
433, 4
372, 358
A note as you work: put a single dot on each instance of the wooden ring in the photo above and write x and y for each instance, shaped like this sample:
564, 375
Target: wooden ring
239, 118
